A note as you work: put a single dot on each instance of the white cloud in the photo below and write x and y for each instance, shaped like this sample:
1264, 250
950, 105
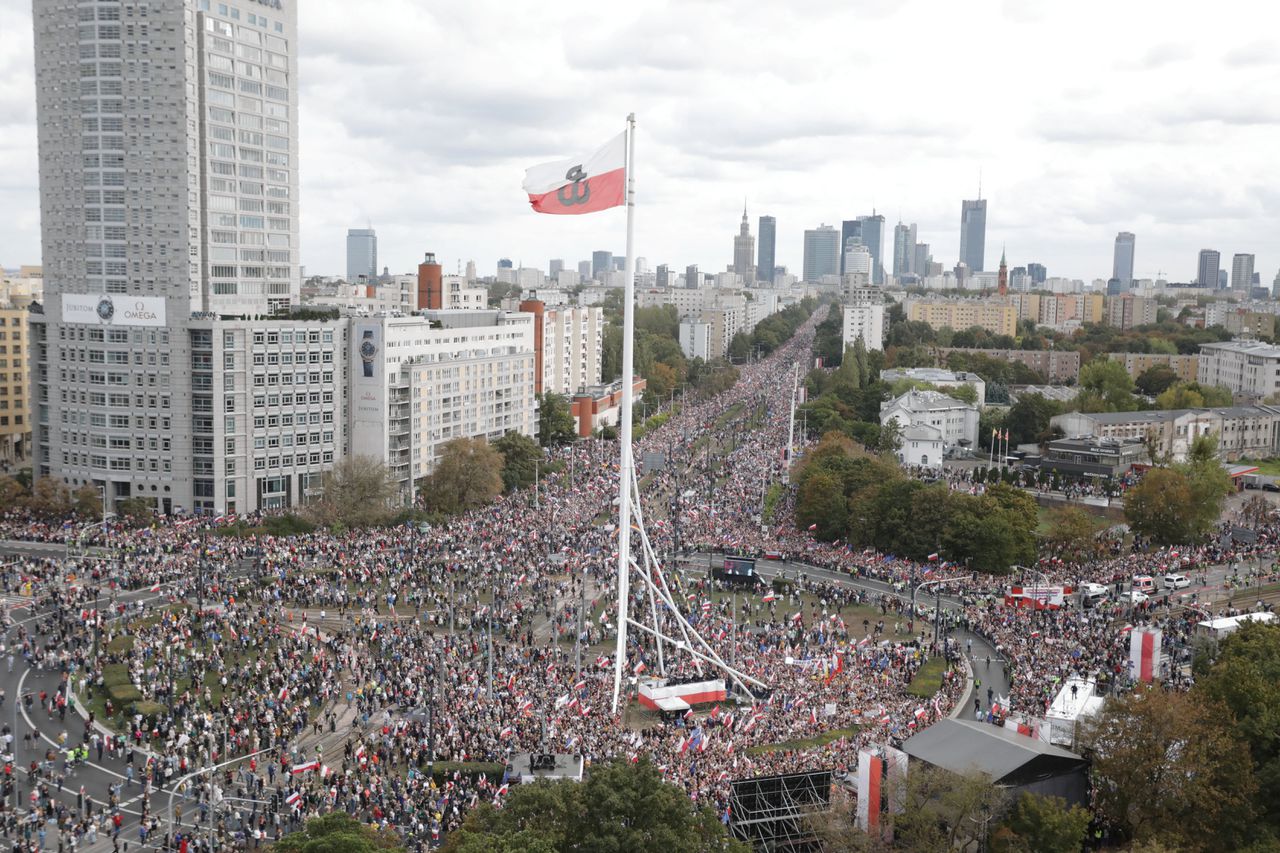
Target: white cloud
1085, 119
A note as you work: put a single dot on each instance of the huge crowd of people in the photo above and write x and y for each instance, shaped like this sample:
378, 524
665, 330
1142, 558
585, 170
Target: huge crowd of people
378, 672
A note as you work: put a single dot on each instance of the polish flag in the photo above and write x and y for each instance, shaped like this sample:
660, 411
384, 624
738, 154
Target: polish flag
293, 798
586, 710
155, 587
639, 668
813, 526
526, 705
551, 669
505, 733
581, 685
813, 716
303, 768
920, 712
283, 694
581, 184
933, 557
502, 791
769, 598
325, 770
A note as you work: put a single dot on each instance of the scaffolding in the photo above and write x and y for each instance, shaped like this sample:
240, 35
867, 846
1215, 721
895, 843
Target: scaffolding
772, 813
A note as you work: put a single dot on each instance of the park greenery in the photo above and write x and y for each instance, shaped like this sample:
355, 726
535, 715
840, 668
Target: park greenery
337, 832
618, 807
846, 493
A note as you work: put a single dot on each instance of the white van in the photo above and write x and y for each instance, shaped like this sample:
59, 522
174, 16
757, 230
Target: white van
1176, 581
1091, 594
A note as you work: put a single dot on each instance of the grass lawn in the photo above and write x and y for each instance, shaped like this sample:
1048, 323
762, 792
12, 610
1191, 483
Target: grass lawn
928, 679
1267, 467
805, 743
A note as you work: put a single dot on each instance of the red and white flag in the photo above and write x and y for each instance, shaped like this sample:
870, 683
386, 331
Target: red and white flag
582, 184
293, 798
1144, 654
303, 768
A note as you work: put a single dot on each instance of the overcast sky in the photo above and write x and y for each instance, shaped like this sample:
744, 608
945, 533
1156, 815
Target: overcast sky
1085, 119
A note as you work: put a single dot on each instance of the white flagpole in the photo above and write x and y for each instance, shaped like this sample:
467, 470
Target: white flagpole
624, 424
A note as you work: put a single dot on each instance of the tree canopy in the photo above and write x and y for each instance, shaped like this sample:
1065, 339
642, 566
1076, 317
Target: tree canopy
618, 807
356, 492
555, 420
337, 832
1180, 503
521, 457
468, 475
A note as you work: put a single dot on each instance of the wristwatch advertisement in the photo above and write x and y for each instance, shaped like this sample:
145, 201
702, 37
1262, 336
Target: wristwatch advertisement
368, 349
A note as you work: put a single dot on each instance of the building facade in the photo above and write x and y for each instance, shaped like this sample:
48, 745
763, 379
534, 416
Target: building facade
15, 392
1186, 367
419, 382
1054, 365
865, 320
1249, 369
567, 346
169, 215
695, 339
997, 318
1242, 273
1208, 265
955, 420
1241, 431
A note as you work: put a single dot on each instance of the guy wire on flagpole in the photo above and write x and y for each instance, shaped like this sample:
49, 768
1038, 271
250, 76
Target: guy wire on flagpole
624, 431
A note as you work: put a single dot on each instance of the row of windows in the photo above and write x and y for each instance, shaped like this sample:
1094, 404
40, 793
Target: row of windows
246, 170
260, 464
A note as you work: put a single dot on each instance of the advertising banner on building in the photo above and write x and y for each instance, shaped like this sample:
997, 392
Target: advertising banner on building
113, 309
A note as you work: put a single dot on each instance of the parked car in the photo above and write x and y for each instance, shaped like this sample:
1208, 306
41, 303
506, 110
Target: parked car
1176, 581
1270, 487
1135, 597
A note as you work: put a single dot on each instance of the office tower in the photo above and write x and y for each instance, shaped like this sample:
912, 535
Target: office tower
584, 270
872, 230
766, 259
169, 200
744, 251
505, 264
858, 262
1275, 286
554, 268
903, 249
1209, 263
1037, 272
1241, 273
692, 278
362, 254
821, 253
850, 229
920, 261
1222, 279
911, 250
619, 263
1122, 263
471, 271
662, 276
973, 233
601, 265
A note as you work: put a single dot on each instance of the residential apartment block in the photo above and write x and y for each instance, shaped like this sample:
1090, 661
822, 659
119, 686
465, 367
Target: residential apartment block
1249, 369
1054, 365
1186, 367
567, 346
1241, 431
997, 318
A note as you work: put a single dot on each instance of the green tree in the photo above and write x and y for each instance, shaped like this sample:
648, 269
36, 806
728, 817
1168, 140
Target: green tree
1028, 419
555, 420
1168, 766
944, 810
1156, 379
1073, 535
468, 475
1245, 677
740, 347
87, 502
12, 493
611, 352
50, 498
1158, 507
618, 807
820, 501
336, 832
890, 440
521, 457
1106, 387
1039, 824
356, 492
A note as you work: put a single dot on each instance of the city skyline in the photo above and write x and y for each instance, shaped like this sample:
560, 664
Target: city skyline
1061, 180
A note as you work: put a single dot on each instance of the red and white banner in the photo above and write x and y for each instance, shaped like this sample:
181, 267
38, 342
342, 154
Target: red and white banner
580, 184
870, 778
695, 693
1039, 597
1144, 654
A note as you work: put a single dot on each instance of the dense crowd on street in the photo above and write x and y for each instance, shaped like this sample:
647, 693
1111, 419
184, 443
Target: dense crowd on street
338, 671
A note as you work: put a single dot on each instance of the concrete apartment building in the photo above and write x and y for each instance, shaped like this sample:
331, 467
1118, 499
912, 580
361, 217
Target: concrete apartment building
567, 346
997, 318
864, 320
420, 381
1249, 369
695, 339
1128, 311
15, 393
1055, 365
1187, 367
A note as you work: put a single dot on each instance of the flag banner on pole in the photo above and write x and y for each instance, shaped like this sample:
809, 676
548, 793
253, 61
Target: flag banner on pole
580, 184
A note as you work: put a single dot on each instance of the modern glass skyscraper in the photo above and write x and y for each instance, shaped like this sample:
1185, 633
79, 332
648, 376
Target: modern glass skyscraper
850, 229
168, 145
821, 252
1122, 263
872, 228
1241, 273
766, 248
362, 253
973, 233
903, 250
1208, 267
601, 265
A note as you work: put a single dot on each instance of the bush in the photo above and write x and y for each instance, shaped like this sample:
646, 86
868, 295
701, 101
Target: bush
147, 708
116, 673
123, 694
287, 525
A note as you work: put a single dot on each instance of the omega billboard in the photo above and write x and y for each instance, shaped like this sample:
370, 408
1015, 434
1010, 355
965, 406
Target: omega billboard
108, 309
